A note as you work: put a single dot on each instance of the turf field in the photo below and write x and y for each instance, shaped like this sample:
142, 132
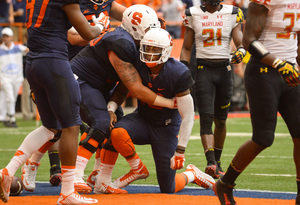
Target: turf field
273, 170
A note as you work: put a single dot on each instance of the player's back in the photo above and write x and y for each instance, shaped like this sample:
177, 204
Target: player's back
280, 32
174, 78
92, 63
47, 26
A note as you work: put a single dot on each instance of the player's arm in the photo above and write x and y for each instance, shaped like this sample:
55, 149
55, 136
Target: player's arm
132, 80
298, 50
185, 106
75, 39
256, 21
80, 23
237, 36
186, 50
116, 11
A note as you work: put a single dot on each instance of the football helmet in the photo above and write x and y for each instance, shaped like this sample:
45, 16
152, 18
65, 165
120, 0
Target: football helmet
212, 2
161, 41
137, 19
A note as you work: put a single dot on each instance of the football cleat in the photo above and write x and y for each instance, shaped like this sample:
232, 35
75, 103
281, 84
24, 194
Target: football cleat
224, 192
108, 188
91, 180
75, 198
55, 179
29, 171
212, 170
200, 178
220, 170
5, 183
140, 173
80, 185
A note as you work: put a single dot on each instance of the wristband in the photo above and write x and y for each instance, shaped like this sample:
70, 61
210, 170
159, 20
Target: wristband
185, 63
241, 49
258, 50
180, 149
276, 63
112, 106
100, 26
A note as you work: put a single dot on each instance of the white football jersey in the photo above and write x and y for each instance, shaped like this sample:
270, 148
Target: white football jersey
280, 33
213, 30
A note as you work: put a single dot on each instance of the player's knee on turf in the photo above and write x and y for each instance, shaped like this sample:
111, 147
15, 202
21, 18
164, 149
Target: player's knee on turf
93, 139
122, 142
206, 121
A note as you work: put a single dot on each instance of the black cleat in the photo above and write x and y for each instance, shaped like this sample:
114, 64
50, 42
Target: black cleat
220, 170
224, 192
212, 170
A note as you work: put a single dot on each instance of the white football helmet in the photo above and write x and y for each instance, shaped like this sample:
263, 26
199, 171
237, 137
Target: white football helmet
137, 19
159, 38
98, 2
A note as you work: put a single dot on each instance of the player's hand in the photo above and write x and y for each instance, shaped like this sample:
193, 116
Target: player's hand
290, 73
238, 55
102, 21
177, 161
162, 22
113, 119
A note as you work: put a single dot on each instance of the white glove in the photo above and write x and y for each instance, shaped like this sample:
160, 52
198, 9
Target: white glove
102, 21
177, 161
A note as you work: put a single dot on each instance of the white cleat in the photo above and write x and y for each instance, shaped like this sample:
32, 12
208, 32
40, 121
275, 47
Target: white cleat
80, 185
75, 198
5, 182
202, 179
29, 171
91, 180
108, 188
141, 173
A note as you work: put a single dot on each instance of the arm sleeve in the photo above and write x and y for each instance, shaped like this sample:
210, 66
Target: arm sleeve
186, 109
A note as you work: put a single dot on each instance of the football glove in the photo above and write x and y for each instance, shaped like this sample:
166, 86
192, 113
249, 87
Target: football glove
290, 73
162, 23
238, 55
177, 161
102, 21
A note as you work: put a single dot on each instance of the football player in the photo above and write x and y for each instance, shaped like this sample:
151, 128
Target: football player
212, 26
272, 82
57, 93
155, 125
109, 59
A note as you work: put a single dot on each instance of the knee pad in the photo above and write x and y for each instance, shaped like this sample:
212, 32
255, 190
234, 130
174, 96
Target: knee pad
108, 146
122, 142
206, 124
56, 137
93, 139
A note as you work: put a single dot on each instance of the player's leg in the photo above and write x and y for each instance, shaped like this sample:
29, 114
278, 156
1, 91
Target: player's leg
224, 92
290, 114
130, 130
55, 169
205, 94
263, 89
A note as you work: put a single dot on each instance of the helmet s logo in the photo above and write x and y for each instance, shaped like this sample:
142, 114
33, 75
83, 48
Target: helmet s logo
136, 18
171, 40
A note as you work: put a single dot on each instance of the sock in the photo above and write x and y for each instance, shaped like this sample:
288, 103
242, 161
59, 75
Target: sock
97, 160
16, 162
180, 182
81, 163
105, 173
189, 175
210, 156
134, 162
231, 174
37, 138
54, 162
68, 178
218, 152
